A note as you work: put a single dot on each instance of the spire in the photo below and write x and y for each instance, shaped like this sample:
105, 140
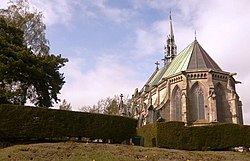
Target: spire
122, 109
170, 48
171, 32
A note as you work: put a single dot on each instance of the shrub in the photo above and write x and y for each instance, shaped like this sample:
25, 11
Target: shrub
210, 137
172, 131
22, 122
149, 134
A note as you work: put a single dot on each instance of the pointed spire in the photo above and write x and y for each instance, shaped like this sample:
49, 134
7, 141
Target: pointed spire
171, 32
170, 46
122, 110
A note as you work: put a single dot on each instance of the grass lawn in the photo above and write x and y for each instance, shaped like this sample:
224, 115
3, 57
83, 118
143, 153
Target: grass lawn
110, 152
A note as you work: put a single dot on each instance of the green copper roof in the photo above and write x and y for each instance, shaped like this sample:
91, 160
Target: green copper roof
179, 63
192, 58
154, 76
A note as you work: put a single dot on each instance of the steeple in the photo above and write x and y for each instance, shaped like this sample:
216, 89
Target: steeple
170, 48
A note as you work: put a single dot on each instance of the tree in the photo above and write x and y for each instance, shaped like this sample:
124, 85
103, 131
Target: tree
109, 105
10, 46
34, 72
85, 108
19, 15
112, 108
91, 109
65, 106
25, 75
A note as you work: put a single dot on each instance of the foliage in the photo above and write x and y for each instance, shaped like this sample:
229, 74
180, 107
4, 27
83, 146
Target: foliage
65, 106
109, 105
149, 133
85, 109
10, 46
112, 108
19, 15
22, 122
210, 137
23, 74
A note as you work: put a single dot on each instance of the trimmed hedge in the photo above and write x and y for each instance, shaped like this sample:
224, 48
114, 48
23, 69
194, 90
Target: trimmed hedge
210, 137
148, 132
22, 122
173, 131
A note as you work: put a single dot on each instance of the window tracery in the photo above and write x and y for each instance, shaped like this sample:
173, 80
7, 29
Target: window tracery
197, 109
177, 105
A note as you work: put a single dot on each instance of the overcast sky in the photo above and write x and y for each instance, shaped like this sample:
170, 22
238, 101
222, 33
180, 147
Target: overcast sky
112, 45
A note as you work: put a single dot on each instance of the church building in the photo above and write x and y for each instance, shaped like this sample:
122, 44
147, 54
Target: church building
190, 87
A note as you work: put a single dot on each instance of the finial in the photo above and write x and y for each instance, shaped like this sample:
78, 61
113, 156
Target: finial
121, 95
157, 65
195, 35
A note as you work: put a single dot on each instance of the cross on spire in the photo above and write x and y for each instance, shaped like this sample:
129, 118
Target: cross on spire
121, 95
157, 65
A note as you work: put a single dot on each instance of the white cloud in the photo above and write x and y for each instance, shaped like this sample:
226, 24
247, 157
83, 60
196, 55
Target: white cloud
56, 11
150, 39
146, 42
99, 9
63, 11
107, 78
3, 3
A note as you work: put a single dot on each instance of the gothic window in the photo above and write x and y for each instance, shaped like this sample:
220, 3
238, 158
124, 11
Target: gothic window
177, 112
219, 103
197, 111
222, 107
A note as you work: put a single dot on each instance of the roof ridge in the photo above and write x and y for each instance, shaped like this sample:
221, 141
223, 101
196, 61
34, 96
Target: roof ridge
202, 55
209, 58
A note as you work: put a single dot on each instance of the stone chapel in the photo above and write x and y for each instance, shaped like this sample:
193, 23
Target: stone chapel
190, 87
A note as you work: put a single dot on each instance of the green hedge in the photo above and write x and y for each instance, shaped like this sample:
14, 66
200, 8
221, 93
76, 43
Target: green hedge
22, 122
173, 131
210, 137
149, 132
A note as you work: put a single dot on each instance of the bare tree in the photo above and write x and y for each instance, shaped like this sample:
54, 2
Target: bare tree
109, 105
65, 106
85, 108
19, 15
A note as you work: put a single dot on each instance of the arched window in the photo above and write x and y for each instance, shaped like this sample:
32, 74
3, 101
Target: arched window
219, 103
177, 111
197, 109
222, 107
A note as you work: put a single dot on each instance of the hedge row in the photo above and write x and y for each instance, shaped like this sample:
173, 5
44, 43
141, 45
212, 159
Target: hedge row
211, 137
148, 132
22, 122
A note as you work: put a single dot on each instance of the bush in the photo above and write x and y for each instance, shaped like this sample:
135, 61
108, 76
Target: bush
22, 122
149, 134
173, 131
210, 137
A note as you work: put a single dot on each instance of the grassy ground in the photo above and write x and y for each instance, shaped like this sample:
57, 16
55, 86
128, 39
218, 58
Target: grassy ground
107, 152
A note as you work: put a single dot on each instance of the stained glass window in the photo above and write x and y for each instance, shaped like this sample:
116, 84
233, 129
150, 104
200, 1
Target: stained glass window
177, 104
197, 111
